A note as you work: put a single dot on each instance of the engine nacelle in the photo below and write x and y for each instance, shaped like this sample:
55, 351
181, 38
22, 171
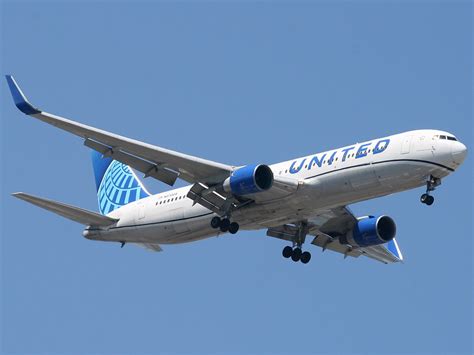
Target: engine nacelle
371, 230
249, 179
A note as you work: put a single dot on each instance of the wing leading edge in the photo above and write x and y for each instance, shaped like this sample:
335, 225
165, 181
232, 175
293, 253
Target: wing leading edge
163, 164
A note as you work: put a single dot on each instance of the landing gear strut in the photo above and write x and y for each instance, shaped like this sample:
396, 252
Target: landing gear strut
225, 225
295, 252
431, 185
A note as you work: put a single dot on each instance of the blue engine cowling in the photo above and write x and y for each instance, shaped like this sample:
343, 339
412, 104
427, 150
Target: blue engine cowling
249, 179
372, 230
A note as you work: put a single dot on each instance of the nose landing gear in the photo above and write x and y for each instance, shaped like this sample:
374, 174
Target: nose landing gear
427, 199
431, 185
225, 225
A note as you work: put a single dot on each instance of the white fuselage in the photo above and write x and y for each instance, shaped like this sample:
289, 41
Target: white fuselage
329, 179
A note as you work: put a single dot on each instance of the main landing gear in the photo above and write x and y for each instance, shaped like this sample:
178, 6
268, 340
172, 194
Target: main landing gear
296, 254
431, 185
225, 225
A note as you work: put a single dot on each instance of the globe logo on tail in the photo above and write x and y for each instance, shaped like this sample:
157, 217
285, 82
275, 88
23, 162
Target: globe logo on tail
119, 186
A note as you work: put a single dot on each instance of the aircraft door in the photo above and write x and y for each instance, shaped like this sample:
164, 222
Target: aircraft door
140, 213
406, 145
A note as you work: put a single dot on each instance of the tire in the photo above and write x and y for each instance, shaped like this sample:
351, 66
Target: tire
225, 224
424, 198
305, 257
296, 254
430, 200
287, 251
233, 228
215, 222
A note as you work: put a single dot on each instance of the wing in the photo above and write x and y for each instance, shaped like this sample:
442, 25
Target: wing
163, 164
160, 163
327, 225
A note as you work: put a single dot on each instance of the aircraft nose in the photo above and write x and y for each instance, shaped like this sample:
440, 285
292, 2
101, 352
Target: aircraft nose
459, 152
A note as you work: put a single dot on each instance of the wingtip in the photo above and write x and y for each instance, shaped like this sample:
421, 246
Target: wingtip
19, 98
18, 194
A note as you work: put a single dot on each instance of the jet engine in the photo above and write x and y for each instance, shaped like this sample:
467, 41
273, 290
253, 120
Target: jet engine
249, 179
371, 230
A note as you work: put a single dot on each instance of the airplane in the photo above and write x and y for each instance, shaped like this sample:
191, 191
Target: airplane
300, 199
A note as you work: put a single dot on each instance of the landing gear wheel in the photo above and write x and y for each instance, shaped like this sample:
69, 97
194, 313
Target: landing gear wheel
215, 222
430, 200
427, 199
225, 224
287, 251
296, 254
305, 257
424, 198
233, 228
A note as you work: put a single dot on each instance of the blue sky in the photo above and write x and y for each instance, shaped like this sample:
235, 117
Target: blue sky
236, 82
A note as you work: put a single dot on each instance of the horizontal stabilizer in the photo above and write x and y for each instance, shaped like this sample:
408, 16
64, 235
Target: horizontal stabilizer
76, 214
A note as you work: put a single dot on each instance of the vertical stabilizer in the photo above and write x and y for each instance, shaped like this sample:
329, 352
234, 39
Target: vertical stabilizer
117, 184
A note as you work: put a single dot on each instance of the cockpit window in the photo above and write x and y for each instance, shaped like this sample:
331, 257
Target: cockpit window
451, 138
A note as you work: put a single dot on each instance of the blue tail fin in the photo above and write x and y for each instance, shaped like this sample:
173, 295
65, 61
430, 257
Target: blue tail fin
117, 185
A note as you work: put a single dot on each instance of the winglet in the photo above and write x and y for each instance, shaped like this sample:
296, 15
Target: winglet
19, 98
